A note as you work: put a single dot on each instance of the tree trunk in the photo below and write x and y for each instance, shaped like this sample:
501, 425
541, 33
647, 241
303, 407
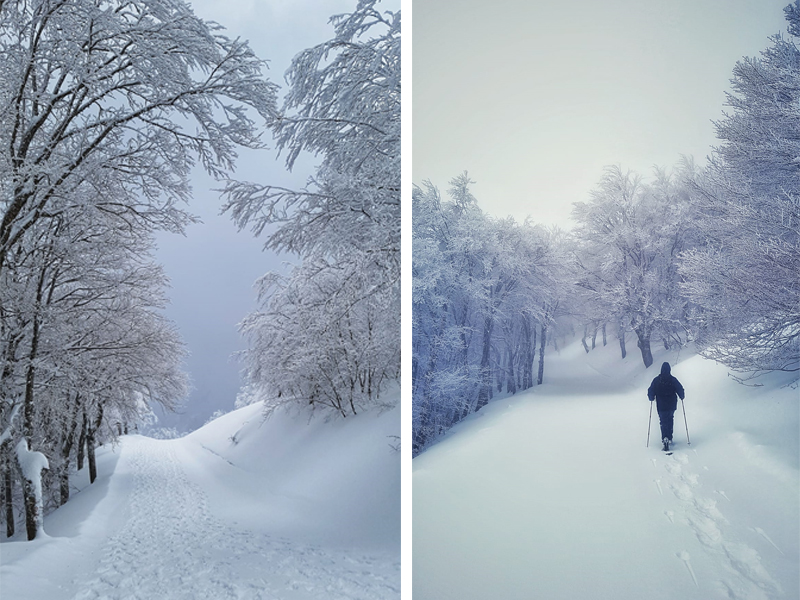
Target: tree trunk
66, 451
644, 346
541, 353
30, 465
533, 351
583, 339
63, 475
90, 455
82, 442
90, 440
31, 508
527, 354
622, 342
30, 380
604, 334
484, 390
8, 489
511, 385
594, 338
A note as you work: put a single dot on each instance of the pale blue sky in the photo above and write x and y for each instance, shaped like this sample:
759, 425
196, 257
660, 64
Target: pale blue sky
534, 97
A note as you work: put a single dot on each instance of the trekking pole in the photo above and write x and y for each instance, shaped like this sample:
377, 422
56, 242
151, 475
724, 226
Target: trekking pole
648, 423
684, 422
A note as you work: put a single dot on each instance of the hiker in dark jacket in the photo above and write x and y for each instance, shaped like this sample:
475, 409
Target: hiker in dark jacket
665, 390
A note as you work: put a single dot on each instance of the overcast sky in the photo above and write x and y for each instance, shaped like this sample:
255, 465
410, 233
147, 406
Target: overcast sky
212, 269
534, 97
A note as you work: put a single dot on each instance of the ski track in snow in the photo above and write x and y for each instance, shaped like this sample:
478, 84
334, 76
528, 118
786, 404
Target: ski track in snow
171, 546
747, 579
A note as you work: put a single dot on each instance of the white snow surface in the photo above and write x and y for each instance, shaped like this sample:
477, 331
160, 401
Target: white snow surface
551, 493
288, 508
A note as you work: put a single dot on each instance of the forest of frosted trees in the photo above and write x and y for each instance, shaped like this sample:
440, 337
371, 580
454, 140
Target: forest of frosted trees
327, 334
709, 255
105, 108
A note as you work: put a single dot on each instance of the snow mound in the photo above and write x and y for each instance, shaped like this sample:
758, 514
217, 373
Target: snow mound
330, 479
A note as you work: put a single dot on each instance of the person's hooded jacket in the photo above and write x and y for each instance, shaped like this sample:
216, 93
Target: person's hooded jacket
665, 389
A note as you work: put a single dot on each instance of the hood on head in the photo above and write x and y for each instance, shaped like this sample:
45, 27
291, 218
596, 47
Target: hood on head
665, 370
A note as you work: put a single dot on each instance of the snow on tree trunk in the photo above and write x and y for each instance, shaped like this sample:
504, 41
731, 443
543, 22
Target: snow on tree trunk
31, 465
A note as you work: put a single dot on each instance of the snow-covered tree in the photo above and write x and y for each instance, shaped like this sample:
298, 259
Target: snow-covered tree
484, 291
630, 235
105, 106
746, 277
328, 334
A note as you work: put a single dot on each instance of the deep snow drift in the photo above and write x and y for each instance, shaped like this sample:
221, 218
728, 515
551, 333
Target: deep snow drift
242, 508
552, 493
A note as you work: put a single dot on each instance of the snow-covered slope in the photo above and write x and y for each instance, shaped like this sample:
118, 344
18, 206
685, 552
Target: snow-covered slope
242, 508
553, 494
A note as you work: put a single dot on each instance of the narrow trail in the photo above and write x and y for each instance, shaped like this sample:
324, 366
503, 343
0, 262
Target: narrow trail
171, 546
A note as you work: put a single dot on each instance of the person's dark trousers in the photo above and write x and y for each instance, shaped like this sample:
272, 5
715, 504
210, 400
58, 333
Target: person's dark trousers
666, 418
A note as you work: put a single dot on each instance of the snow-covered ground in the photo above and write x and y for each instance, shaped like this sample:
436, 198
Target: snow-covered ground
553, 494
242, 508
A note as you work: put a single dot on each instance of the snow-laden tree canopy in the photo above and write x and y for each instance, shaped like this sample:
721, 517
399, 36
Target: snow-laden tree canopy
747, 275
105, 107
328, 334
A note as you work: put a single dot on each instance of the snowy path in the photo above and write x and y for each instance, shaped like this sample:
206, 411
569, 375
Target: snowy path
147, 531
554, 495
171, 542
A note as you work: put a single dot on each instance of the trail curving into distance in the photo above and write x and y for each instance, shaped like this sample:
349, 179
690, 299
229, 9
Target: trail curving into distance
171, 546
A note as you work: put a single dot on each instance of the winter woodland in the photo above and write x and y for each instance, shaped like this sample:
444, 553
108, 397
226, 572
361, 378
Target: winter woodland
705, 254
105, 107
328, 334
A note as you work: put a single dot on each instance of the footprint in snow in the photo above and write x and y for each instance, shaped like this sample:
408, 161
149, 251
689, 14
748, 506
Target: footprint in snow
706, 530
681, 458
681, 491
763, 534
684, 556
747, 561
708, 507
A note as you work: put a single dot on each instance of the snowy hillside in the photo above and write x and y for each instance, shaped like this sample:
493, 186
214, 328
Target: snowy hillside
242, 508
553, 494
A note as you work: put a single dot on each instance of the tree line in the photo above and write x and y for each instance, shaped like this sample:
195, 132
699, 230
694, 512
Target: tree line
327, 334
704, 254
104, 109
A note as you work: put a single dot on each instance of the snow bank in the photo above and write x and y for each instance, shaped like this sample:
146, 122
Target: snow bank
331, 480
